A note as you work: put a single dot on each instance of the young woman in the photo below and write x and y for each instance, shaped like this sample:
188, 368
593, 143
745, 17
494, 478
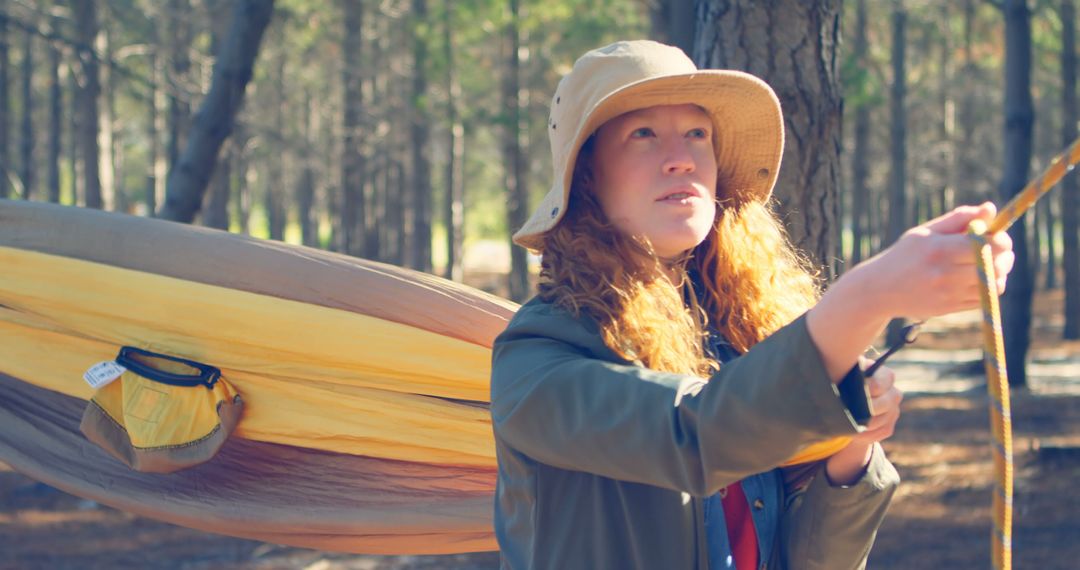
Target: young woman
679, 350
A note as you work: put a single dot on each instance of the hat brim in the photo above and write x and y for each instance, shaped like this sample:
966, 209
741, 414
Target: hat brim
748, 135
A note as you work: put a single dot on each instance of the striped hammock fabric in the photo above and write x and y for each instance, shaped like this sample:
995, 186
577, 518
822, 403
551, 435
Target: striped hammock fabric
365, 421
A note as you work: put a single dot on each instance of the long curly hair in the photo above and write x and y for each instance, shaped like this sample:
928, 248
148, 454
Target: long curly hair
753, 280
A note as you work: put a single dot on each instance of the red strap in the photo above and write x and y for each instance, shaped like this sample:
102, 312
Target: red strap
740, 527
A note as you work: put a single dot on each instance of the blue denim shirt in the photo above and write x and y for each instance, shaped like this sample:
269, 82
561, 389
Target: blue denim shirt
764, 492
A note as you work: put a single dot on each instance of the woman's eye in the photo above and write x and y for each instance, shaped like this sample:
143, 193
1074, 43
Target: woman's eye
698, 133
643, 132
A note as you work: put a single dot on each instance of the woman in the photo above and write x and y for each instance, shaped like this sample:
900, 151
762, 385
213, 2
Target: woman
679, 351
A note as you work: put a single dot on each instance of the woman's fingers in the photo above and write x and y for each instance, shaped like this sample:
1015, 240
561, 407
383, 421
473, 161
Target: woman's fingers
882, 380
888, 401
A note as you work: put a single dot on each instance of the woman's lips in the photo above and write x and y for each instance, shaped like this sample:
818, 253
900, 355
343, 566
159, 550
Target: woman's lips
680, 195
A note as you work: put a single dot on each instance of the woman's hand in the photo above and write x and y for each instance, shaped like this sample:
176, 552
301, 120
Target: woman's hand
931, 271
848, 465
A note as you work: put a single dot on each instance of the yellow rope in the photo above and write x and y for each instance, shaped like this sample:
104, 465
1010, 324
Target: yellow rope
994, 349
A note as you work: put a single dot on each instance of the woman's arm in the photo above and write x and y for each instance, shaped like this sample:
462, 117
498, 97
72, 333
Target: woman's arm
555, 401
929, 271
849, 464
827, 527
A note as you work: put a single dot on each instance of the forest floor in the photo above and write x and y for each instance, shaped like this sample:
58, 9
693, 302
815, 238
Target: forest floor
940, 517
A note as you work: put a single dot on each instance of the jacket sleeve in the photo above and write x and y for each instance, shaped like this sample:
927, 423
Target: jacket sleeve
555, 401
832, 528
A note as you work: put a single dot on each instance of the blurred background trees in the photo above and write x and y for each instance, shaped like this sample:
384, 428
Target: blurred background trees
412, 131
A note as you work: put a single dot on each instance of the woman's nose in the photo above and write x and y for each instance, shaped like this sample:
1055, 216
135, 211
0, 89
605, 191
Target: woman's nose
678, 158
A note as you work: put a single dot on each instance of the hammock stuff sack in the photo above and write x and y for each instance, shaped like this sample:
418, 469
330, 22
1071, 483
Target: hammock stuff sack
158, 413
363, 386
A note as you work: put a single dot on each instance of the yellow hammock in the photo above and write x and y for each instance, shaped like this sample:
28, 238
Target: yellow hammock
371, 380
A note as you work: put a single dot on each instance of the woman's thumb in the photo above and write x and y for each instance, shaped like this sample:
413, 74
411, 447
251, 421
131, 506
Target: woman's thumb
957, 220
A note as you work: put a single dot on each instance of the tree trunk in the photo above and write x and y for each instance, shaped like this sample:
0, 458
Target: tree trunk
158, 167
78, 184
454, 208
241, 170
1019, 120
1070, 191
792, 45
305, 188
214, 121
86, 24
966, 164
56, 109
947, 193
898, 220
275, 185
352, 160
27, 162
1051, 245
420, 134
216, 210
673, 23
5, 103
513, 152
180, 39
860, 167
1036, 253
107, 167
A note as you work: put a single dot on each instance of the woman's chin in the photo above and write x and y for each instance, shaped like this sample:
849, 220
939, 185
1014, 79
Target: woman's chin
674, 244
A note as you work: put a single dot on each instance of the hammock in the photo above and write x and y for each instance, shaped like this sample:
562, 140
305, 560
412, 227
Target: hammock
365, 421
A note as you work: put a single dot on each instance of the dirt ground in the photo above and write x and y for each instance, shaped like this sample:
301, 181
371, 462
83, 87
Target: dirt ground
940, 517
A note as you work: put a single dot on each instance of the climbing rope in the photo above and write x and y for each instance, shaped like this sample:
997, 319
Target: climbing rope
994, 348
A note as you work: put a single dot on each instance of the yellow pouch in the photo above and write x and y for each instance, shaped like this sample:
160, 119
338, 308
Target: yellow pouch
162, 413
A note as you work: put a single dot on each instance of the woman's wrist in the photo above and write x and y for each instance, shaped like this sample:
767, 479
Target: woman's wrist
847, 319
848, 465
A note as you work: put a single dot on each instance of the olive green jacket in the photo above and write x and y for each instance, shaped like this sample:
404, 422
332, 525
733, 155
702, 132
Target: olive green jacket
604, 463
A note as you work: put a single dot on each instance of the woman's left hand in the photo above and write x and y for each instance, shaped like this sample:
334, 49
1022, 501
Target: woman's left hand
848, 465
885, 399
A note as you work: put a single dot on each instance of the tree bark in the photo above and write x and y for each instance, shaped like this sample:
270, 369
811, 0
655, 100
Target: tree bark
216, 210
898, 208
305, 188
966, 163
107, 166
275, 185
86, 24
1070, 190
352, 162
5, 103
673, 23
1051, 245
860, 166
513, 152
947, 193
217, 114
27, 162
454, 208
180, 39
1019, 120
56, 109
158, 168
792, 45
78, 184
420, 134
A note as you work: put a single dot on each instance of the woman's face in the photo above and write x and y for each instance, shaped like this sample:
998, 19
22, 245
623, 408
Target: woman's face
655, 175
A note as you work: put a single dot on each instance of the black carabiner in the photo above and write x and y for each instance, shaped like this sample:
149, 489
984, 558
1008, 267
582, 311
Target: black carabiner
911, 332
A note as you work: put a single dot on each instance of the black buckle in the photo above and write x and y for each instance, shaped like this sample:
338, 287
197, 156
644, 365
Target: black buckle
911, 332
207, 376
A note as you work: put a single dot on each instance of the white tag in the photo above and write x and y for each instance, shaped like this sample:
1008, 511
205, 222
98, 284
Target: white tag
102, 373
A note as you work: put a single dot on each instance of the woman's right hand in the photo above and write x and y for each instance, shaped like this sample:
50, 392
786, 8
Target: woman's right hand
931, 270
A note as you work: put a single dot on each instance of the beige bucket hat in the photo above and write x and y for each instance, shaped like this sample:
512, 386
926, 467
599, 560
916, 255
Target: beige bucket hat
629, 75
